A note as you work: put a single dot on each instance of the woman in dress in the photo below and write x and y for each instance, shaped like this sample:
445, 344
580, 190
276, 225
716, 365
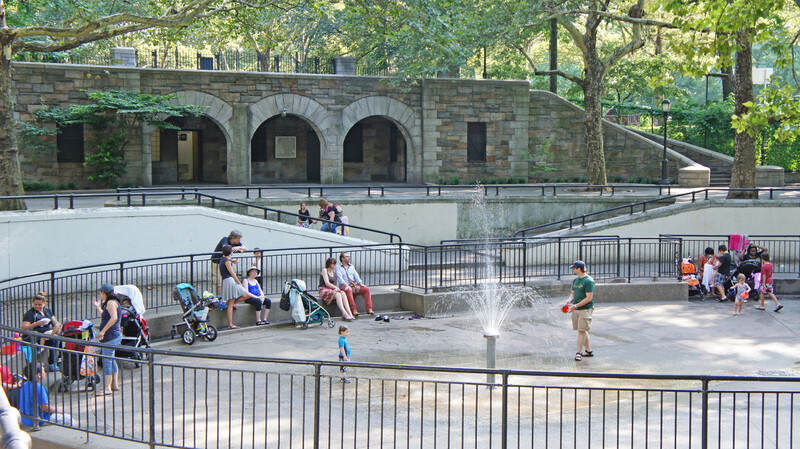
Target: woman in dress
232, 289
110, 333
328, 291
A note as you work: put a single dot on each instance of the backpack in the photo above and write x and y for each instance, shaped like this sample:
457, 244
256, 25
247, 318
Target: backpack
337, 209
285, 304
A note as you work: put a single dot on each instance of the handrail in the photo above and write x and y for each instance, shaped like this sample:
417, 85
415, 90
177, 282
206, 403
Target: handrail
199, 196
643, 204
543, 188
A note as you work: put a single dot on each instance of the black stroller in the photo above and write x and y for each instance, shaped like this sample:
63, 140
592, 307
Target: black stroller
134, 333
195, 314
748, 268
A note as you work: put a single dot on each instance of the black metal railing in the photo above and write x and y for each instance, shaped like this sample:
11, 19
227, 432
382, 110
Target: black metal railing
427, 268
429, 189
179, 399
642, 206
201, 199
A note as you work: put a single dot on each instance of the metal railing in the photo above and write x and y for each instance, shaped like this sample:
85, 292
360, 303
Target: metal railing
130, 197
427, 268
429, 189
641, 206
179, 399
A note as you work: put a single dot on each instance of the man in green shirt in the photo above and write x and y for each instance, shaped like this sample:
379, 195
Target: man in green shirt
581, 305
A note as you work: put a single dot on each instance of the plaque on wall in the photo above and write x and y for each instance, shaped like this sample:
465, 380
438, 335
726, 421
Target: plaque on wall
285, 147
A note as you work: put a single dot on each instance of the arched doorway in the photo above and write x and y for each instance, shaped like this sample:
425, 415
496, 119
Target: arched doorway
285, 149
374, 150
197, 152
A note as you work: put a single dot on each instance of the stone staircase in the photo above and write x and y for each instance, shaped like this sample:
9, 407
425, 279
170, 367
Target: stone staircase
719, 164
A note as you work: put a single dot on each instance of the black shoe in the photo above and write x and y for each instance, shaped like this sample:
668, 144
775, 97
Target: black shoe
778, 309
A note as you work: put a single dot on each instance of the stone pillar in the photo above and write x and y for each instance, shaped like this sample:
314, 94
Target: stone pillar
694, 176
124, 56
344, 65
238, 165
769, 176
146, 175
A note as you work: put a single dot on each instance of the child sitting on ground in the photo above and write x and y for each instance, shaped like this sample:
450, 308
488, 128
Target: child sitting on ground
766, 282
42, 409
742, 292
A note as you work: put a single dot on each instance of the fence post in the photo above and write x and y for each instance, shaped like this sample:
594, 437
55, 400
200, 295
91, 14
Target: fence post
191, 270
704, 419
426, 269
525, 262
630, 265
504, 437
399, 265
121, 273
317, 379
151, 398
558, 264
53, 293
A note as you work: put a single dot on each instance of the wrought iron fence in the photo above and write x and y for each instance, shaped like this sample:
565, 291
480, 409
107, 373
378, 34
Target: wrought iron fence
414, 266
184, 58
176, 399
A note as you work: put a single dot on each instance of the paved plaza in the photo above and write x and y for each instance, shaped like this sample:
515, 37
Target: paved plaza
647, 337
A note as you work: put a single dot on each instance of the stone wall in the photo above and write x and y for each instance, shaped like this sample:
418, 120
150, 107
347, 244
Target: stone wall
557, 126
431, 117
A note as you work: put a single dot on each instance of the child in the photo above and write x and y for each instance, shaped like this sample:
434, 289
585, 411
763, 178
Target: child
42, 407
258, 300
742, 291
709, 263
766, 282
344, 352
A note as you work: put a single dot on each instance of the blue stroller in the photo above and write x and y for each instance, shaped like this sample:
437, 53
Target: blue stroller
195, 321
305, 308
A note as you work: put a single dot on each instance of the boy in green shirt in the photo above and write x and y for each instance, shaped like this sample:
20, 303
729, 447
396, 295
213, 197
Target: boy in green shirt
581, 306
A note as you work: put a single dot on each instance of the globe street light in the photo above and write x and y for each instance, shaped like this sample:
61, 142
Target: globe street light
665, 105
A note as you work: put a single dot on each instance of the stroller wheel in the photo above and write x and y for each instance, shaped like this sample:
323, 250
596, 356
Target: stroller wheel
304, 326
63, 387
211, 332
331, 323
188, 336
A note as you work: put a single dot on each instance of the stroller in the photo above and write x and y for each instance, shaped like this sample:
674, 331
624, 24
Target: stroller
195, 314
688, 272
751, 269
134, 328
79, 364
304, 306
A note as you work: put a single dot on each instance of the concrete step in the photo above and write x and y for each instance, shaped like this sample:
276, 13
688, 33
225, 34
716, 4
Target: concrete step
385, 301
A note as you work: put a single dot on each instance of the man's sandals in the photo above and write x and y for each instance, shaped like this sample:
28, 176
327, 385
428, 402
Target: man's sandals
579, 356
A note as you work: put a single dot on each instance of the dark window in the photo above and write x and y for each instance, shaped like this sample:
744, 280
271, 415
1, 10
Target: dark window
169, 145
354, 144
70, 143
258, 145
476, 142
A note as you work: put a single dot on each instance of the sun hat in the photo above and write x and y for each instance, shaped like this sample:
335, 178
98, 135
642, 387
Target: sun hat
107, 288
253, 268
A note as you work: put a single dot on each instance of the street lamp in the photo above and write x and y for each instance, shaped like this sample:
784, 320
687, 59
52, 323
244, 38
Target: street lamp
665, 105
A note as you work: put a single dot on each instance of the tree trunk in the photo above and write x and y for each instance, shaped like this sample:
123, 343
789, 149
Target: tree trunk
743, 175
10, 175
592, 96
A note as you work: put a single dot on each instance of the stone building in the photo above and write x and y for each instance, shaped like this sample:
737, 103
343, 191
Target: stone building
294, 128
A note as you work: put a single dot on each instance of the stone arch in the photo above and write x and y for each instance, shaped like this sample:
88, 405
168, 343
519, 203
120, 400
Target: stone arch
406, 119
312, 113
218, 111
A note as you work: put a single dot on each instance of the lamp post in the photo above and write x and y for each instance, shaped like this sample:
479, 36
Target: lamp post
665, 105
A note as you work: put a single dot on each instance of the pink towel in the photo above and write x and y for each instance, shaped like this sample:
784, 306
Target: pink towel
737, 242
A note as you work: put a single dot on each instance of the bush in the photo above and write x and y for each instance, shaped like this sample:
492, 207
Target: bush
455, 180
46, 186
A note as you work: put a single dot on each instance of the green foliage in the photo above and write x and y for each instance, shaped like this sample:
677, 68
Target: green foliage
113, 113
707, 126
46, 186
537, 166
31, 139
640, 180
106, 161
